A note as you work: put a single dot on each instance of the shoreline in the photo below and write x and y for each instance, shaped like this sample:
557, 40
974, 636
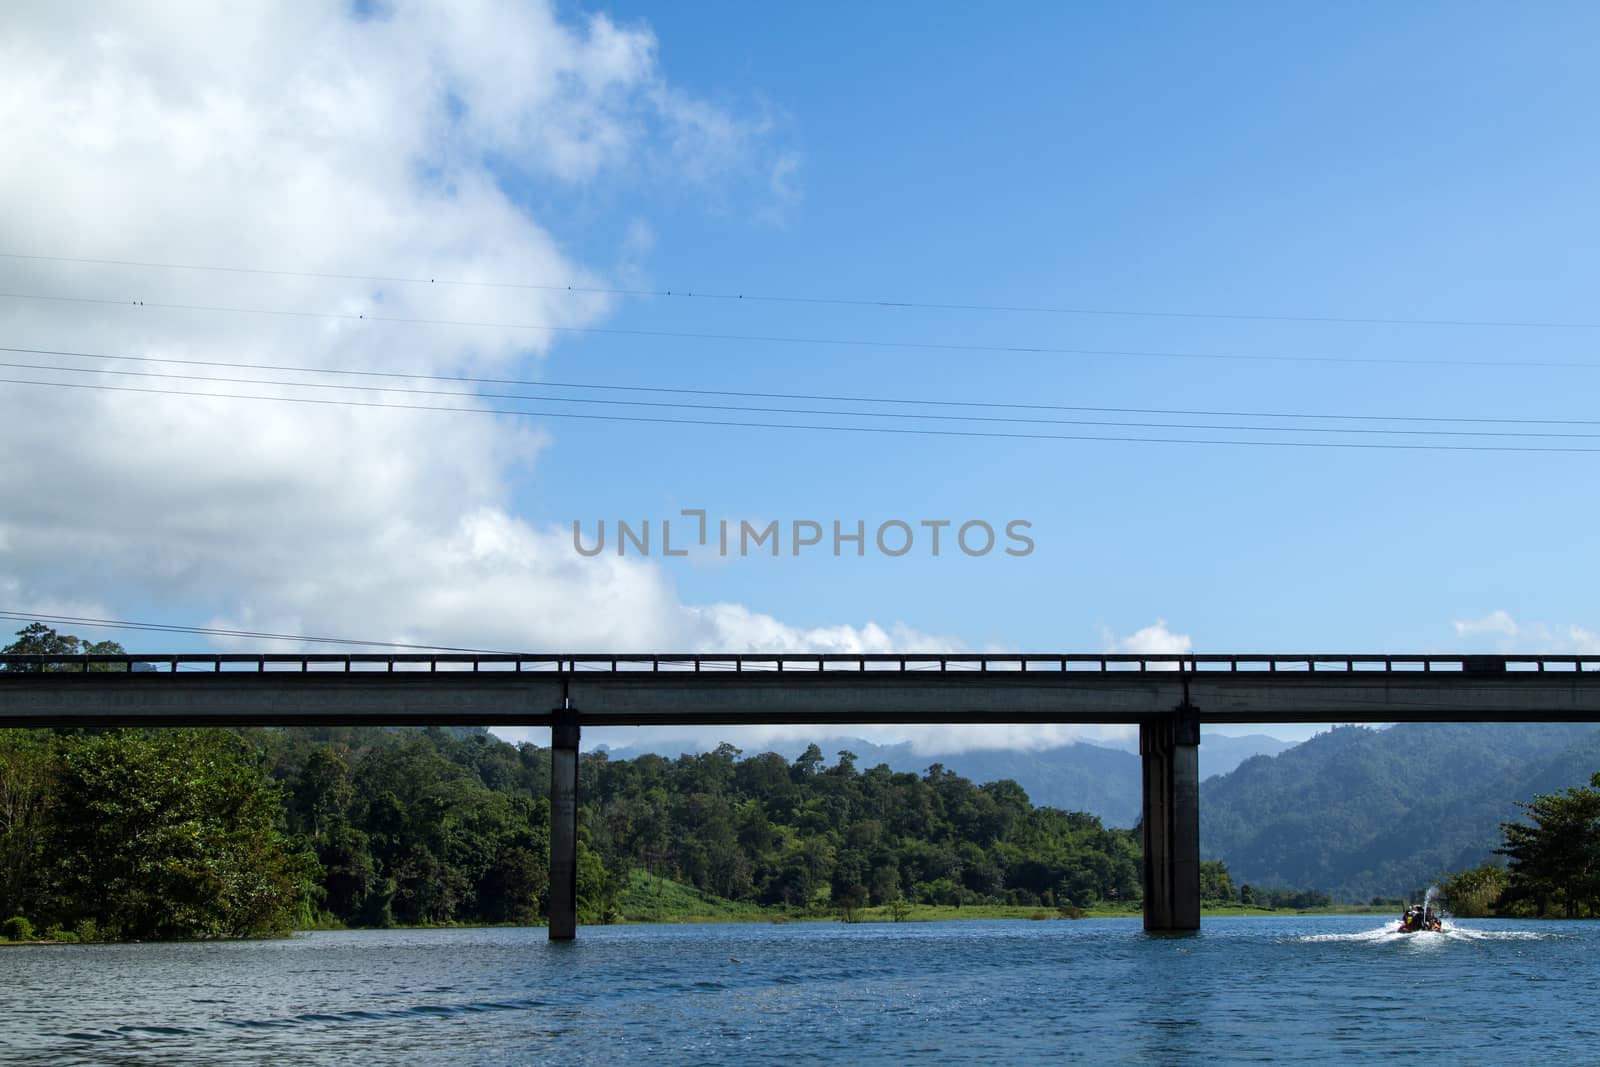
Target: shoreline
923, 914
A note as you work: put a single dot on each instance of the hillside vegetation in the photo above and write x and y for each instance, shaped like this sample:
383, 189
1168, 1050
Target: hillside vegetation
1360, 812
212, 833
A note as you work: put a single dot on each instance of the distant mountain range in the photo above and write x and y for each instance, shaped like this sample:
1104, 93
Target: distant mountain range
1100, 780
1357, 812
1360, 812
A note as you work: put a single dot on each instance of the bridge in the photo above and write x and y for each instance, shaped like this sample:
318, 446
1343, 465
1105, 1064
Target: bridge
1169, 697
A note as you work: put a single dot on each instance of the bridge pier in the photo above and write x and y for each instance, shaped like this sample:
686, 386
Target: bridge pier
1169, 749
564, 826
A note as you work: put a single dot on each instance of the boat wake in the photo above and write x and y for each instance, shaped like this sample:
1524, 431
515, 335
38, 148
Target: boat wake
1387, 934
1422, 925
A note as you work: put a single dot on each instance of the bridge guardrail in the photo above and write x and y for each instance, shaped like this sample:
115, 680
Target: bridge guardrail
574, 663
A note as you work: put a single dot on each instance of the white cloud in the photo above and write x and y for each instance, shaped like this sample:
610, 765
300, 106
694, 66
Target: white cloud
733, 628
1530, 638
295, 137
1154, 638
924, 740
729, 624
1496, 622
1583, 639
300, 138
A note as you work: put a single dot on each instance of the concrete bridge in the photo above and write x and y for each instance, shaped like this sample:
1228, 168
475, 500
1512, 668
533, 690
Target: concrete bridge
1170, 697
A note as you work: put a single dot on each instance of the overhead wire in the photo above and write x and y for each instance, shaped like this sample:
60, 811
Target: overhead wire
754, 297
832, 413
742, 424
1580, 662
211, 631
832, 342
824, 397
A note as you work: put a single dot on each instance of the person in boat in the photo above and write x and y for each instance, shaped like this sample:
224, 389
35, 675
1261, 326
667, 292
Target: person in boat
1418, 918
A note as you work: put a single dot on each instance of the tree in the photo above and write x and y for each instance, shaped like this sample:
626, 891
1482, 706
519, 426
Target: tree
349, 878
514, 886
1473, 894
171, 834
1556, 861
805, 767
37, 639
323, 791
26, 796
1215, 882
598, 888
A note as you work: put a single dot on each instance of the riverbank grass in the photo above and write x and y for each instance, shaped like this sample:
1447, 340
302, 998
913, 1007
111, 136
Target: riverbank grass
648, 898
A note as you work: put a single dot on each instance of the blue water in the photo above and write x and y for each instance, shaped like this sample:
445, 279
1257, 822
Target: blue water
1300, 989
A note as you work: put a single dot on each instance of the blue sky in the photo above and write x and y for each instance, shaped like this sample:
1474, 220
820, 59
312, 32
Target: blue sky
1420, 167
1285, 166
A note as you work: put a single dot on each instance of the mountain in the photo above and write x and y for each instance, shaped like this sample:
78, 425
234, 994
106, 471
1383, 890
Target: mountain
1100, 780
1219, 755
1360, 812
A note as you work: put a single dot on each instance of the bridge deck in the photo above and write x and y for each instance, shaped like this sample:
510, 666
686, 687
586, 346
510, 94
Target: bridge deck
687, 688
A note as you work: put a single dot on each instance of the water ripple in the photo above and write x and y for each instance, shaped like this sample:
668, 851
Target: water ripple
1309, 989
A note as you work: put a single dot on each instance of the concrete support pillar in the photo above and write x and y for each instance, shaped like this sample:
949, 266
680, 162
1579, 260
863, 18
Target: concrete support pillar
1169, 748
564, 826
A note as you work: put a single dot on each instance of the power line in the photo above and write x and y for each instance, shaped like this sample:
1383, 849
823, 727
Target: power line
827, 397
832, 413
924, 305
206, 631
738, 424
832, 342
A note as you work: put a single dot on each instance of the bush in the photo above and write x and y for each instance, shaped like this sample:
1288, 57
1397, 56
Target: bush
16, 929
61, 934
87, 931
1474, 894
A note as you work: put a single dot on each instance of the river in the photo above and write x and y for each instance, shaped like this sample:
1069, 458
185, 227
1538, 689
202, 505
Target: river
1304, 989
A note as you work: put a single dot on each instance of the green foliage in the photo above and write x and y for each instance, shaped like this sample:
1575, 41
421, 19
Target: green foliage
598, 889
1294, 899
37, 639
838, 839
436, 826
212, 833
1360, 812
420, 827
1216, 885
16, 928
648, 897
169, 834
26, 791
1472, 894
1554, 864
207, 833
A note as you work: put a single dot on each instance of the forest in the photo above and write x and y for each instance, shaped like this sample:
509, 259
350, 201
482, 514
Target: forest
208, 832
1552, 862
135, 834
173, 833
1362, 812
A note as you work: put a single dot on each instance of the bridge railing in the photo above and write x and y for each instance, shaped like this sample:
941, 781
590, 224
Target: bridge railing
796, 662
